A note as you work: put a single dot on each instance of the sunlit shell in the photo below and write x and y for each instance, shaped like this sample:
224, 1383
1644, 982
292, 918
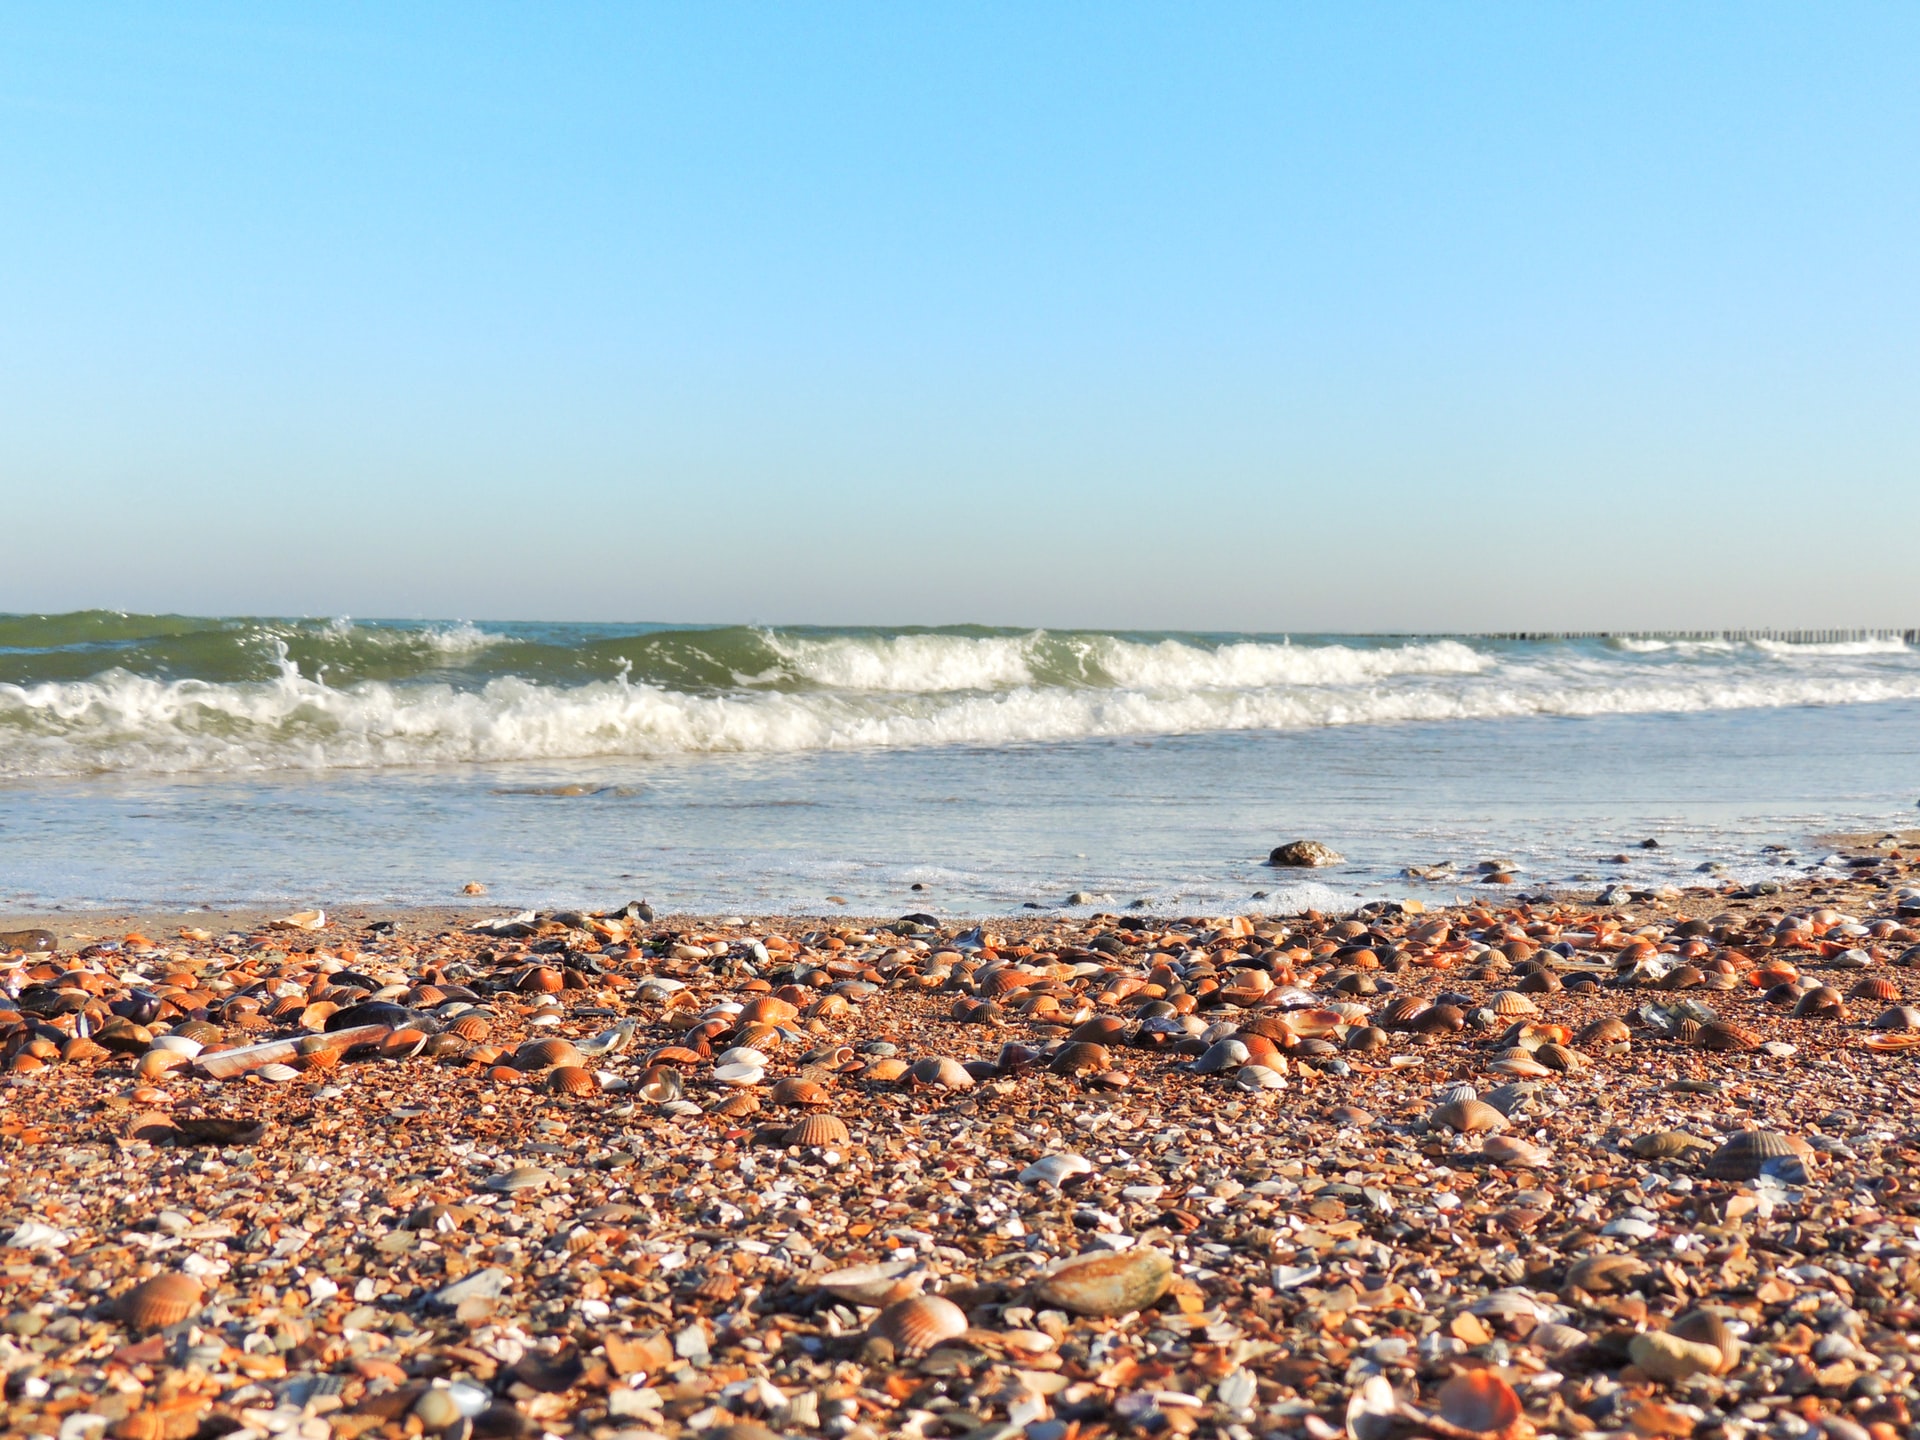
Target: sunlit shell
737, 1105
1892, 1043
768, 1010
1511, 1002
1777, 972
1559, 1057
1369, 1038
402, 1044
81, 1050
1101, 1030
920, 1322
797, 1090
1666, 1144
545, 1054
163, 1300
1511, 1150
1718, 1035
540, 979
822, 1131
1900, 1017
1468, 1117
760, 1037
1437, 1019
1823, 1002
1055, 1169
1259, 1077
155, 1063
1604, 1274
1705, 1327
1221, 1056
1270, 1027
1519, 1065
679, 1055
883, 1284
1079, 1057
942, 1073
658, 1085
1316, 1023
1401, 1011
1106, 1282
572, 1080
1742, 1154
889, 1068
1683, 977
1874, 987
1479, 1401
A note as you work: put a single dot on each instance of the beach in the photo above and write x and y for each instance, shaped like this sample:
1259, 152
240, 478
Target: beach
1636, 1163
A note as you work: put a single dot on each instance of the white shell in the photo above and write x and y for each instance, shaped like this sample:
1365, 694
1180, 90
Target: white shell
1259, 1077
178, 1044
739, 1074
1052, 1169
277, 1073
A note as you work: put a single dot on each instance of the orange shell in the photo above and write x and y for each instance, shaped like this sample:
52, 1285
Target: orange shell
819, 1130
1480, 1401
544, 1054
572, 1080
917, 1324
162, 1300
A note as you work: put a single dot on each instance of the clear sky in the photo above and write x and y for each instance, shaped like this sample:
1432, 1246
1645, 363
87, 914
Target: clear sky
1272, 316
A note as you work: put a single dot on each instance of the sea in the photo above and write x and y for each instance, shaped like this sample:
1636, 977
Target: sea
165, 761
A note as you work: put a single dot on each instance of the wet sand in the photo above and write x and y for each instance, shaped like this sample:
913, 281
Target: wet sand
1300, 1223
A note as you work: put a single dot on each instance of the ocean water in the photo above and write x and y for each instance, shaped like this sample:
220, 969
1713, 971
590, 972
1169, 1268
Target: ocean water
164, 760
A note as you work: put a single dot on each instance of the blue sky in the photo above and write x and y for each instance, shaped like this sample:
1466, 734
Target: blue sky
1265, 317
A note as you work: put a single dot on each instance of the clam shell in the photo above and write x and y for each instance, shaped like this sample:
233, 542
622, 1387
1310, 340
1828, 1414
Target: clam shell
659, 1084
1900, 1017
920, 1322
1106, 1282
1259, 1077
1221, 1056
941, 1072
1479, 1401
545, 1054
874, 1284
1054, 1169
768, 1010
1512, 1150
1079, 1057
1559, 1057
1101, 1030
1705, 1327
739, 1073
162, 1300
1468, 1117
1604, 1274
819, 1131
1742, 1154
1822, 1002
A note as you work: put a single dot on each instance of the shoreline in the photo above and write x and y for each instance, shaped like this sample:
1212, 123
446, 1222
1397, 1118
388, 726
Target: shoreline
1289, 1209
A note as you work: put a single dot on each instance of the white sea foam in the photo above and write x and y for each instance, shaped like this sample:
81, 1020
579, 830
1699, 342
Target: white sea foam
909, 664
119, 722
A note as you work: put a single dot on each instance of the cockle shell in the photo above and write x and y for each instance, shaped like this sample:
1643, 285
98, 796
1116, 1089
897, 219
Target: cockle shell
1823, 1002
1079, 1057
1511, 1002
572, 1080
917, 1324
819, 1131
1900, 1017
1874, 987
1106, 1282
883, 1284
797, 1090
162, 1300
1742, 1154
545, 1054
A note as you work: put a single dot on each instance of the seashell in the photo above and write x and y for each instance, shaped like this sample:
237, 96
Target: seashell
1101, 1030
1270, 1027
1539, 982
1479, 1401
1317, 1023
1373, 1411
819, 1132
1369, 1038
1467, 1117
402, 1044
884, 1284
740, 1073
539, 980
1055, 1169
889, 1068
676, 1055
1511, 1002
179, 1044
1456, 1090
82, 1050
1259, 1077
1555, 1338
761, 1038
1900, 1017
1888, 1043
1438, 1019
659, 1085
768, 1010
741, 1055
1512, 1150
155, 1063
1221, 1056
919, 1323
572, 1080
520, 1178
1400, 1012
1874, 987
942, 1073
277, 1074
1559, 1057
1078, 1057
1705, 1327
798, 1090
1686, 1031
1605, 1274
1521, 1066
1666, 1144
162, 1300
1742, 1154
736, 1105
1672, 1359
1719, 1035
1823, 1002
1106, 1282
472, 1027
1683, 977
1351, 1116
545, 1054
203, 1031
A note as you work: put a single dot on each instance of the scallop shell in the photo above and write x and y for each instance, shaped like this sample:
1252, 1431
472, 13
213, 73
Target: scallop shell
1511, 1002
1719, 1035
819, 1131
1468, 1117
1400, 1012
917, 1324
1874, 987
1604, 1274
1455, 1090
1742, 1154
163, 1300
1479, 1401
1106, 1282
768, 1010
572, 1080
737, 1105
545, 1054
884, 1284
